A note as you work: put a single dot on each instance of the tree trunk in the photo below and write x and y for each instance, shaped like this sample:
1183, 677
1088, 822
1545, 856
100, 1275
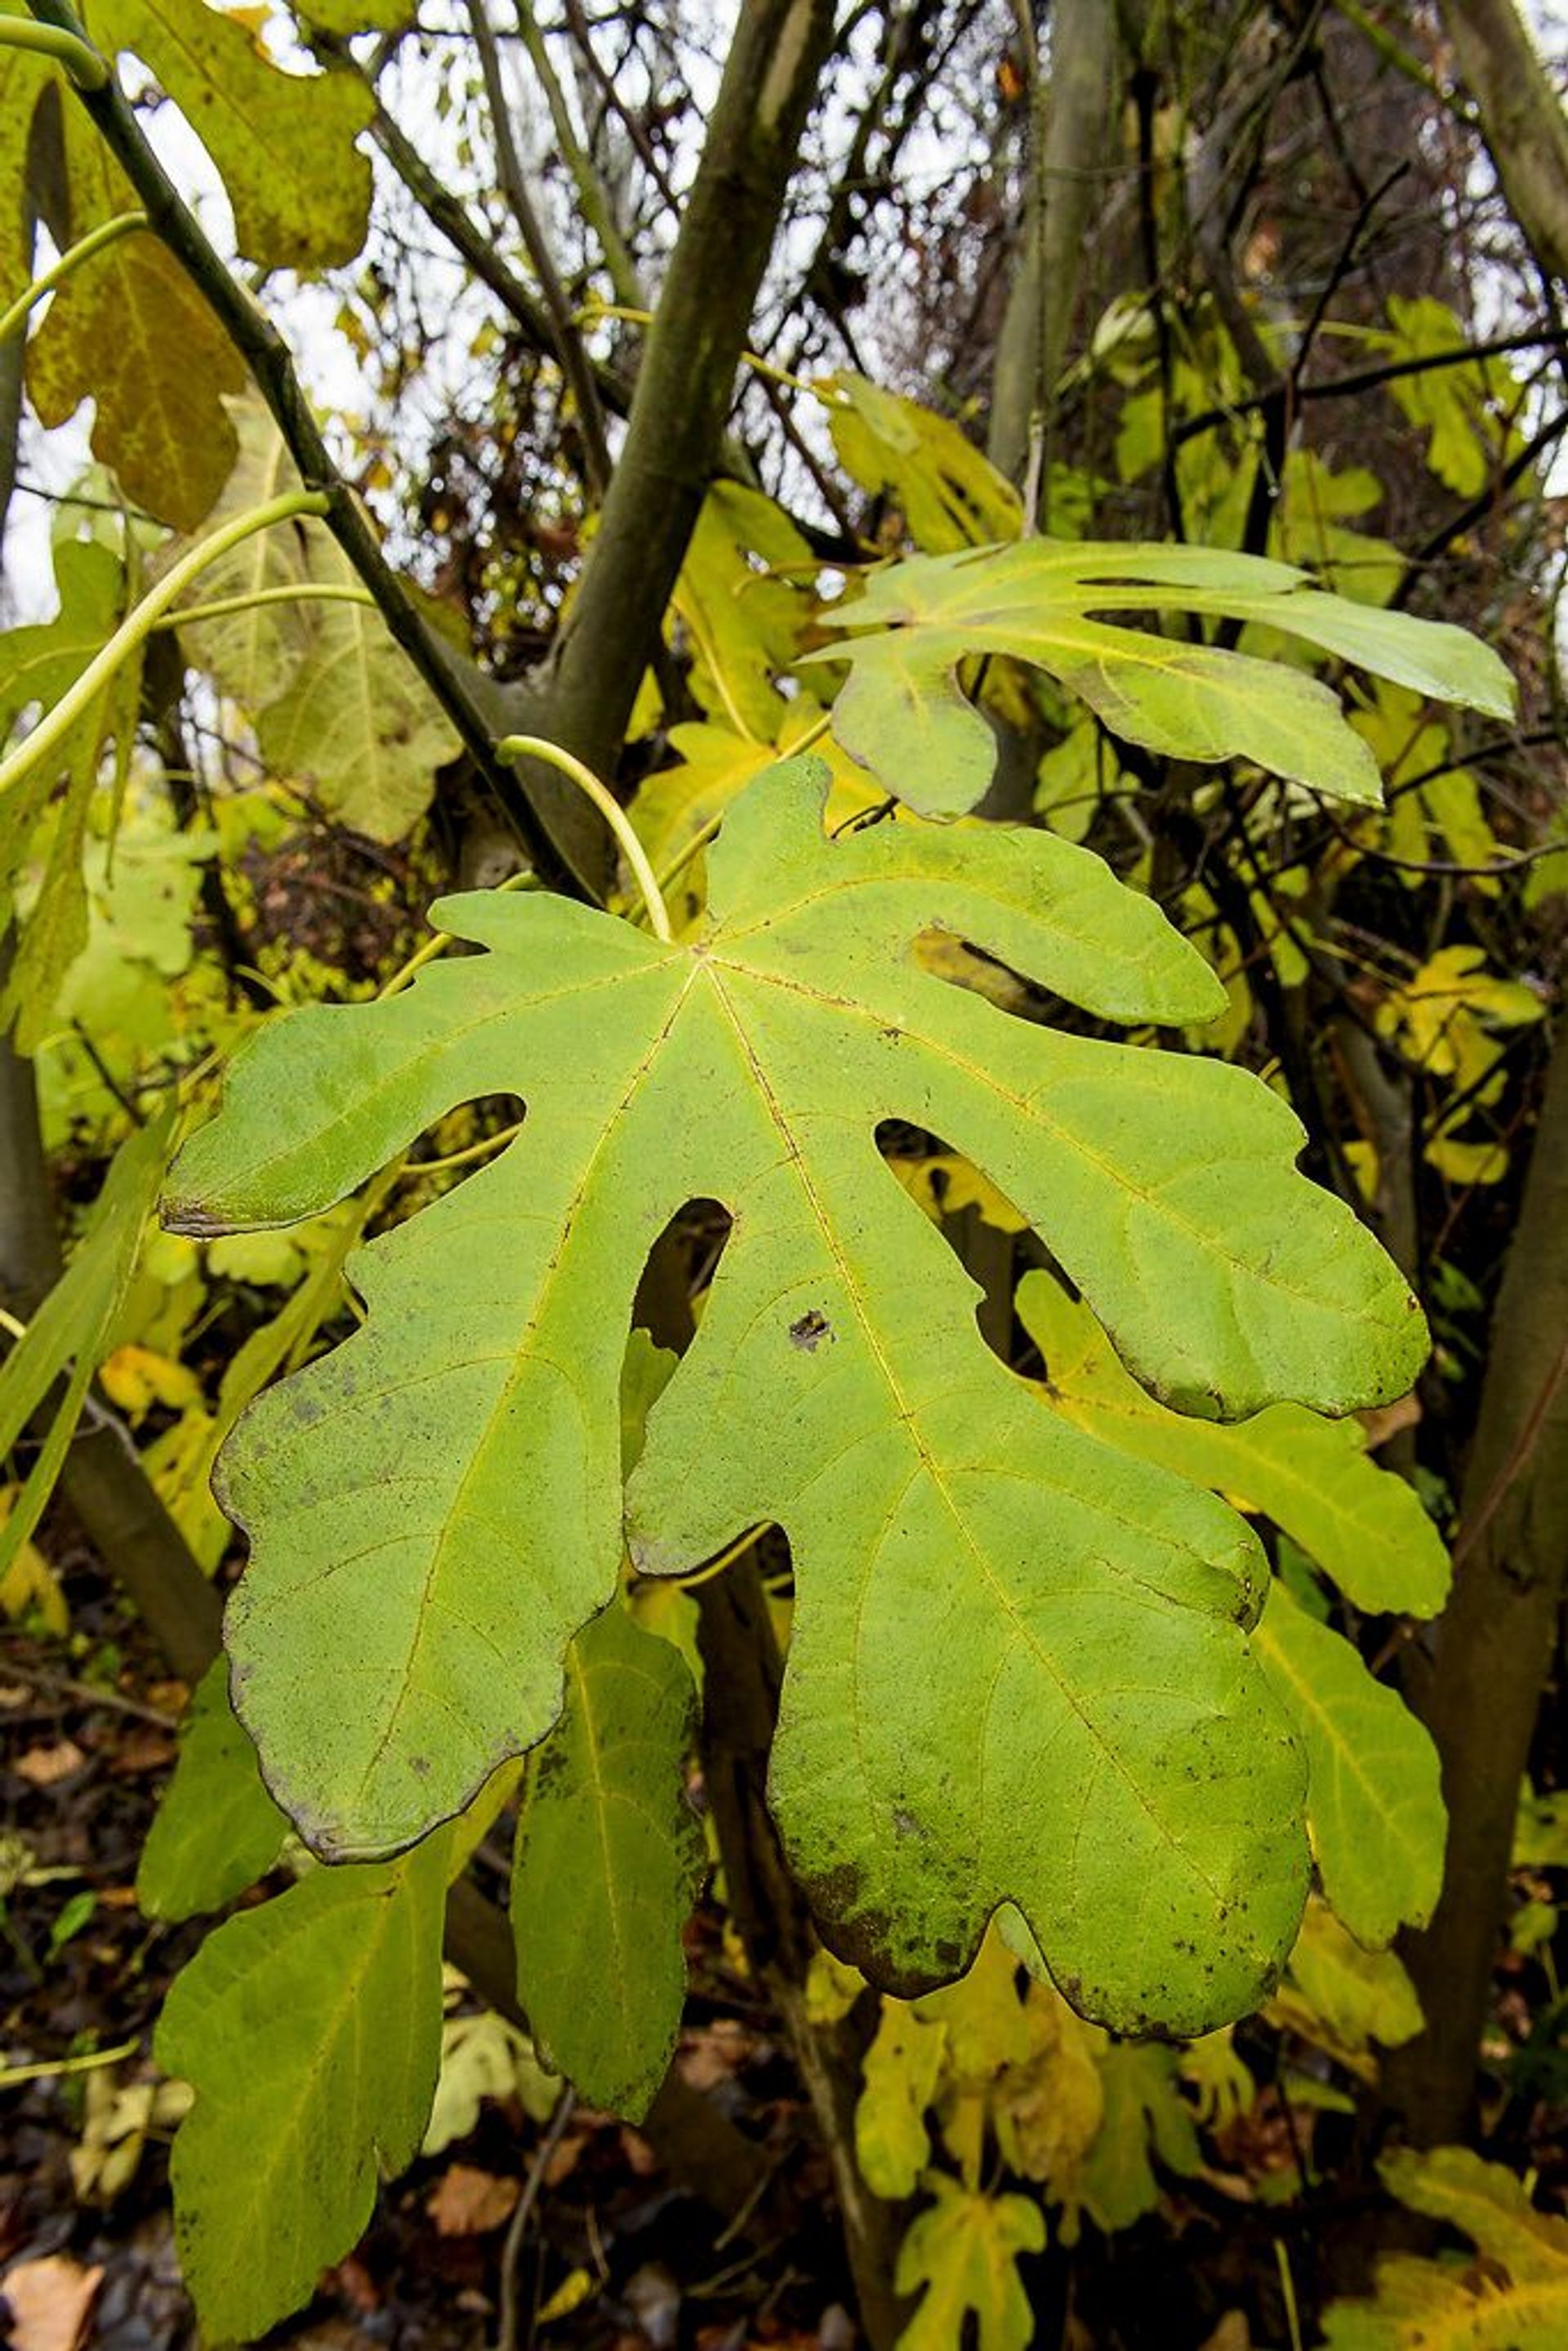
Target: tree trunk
1495, 1641
1523, 120
676, 426
1070, 124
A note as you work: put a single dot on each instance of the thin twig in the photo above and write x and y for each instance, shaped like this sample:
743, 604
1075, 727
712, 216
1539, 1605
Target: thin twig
507, 2327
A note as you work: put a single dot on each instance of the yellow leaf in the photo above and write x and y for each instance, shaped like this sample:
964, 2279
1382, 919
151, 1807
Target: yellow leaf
29, 1585
1513, 2297
901, 2068
136, 1378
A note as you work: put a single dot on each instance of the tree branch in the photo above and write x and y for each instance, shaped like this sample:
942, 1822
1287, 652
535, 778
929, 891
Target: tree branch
548, 816
514, 186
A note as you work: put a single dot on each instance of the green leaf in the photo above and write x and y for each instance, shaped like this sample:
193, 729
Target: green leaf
1374, 1803
23, 79
129, 331
216, 1829
1311, 1477
1019, 1668
37, 666
358, 15
963, 2250
1513, 2299
310, 2032
903, 713
284, 142
1144, 2115
903, 2066
608, 1859
70, 1329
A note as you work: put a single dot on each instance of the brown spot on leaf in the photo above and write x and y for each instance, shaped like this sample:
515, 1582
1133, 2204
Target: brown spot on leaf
811, 1331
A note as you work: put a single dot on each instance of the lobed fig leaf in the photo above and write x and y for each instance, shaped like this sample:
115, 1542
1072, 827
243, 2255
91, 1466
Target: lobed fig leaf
1019, 1666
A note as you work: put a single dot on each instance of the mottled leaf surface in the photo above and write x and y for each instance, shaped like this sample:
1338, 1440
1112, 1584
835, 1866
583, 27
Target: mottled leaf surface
1058, 605
216, 1829
129, 331
608, 1858
284, 142
310, 2032
1019, 1666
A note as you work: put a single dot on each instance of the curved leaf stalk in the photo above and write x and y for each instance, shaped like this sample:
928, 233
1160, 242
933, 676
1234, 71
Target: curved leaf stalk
107, 233
79, 58
138, 625
534, 746
306, 591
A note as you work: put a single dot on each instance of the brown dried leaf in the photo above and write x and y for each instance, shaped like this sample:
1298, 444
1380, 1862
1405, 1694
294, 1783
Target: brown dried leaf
45, 1767
49, 2301
469, 2202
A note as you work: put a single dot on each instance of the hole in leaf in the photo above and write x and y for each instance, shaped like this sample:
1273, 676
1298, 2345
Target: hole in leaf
985, 1231
679, 1272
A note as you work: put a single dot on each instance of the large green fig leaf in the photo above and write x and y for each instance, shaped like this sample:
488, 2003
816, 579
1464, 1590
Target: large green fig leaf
1374, 1799
1375, 1809
606, 1864
310, 2032
903, 713
1019, 1668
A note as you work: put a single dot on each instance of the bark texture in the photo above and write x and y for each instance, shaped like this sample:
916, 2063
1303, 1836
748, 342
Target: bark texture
1524, 126
1495, 1641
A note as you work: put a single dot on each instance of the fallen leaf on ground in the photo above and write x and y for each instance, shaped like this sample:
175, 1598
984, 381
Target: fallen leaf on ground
49, 2301
468, 2202
140, 1751
45, 1767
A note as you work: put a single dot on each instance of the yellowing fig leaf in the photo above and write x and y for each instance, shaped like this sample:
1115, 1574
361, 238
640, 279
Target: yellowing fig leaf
282, 141
903, 712
130, 330
949, 494
893, 2144
1019, 1668
607, 1862
37, 665
964, 2249
1514, 2299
